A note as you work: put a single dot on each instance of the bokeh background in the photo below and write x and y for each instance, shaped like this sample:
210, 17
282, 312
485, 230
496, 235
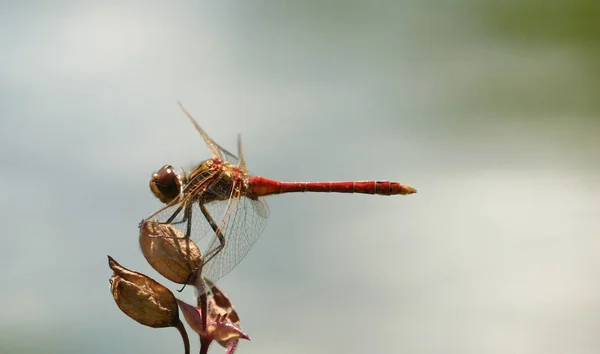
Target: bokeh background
491, 109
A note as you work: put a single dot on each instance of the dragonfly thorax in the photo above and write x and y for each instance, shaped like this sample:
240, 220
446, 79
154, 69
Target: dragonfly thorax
215, 179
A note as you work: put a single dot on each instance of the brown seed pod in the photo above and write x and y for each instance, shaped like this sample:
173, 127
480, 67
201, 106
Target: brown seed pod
169, 252
142, 298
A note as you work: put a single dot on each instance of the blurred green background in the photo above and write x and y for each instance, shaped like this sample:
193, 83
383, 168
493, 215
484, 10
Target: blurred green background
490, 109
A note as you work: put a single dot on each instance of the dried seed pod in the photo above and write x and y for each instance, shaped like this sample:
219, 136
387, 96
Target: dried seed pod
142, 298
169, 252
145, 300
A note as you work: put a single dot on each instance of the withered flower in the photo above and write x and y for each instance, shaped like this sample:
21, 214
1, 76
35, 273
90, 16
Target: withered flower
169, 252
223, 321
219, 305
145, 300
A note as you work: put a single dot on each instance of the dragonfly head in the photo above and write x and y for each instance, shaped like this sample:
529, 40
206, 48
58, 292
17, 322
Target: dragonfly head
166, 184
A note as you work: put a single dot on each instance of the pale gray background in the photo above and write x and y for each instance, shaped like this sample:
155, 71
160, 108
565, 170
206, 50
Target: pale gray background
489, 110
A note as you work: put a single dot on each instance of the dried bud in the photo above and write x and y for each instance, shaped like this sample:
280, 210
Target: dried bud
169, 252
145, 300
142, 298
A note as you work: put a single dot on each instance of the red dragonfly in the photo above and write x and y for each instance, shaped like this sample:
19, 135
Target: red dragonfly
230, 201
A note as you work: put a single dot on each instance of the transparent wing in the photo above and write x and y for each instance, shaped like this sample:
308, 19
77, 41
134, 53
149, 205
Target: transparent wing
244, 221
215, 149
240, 219
227, 156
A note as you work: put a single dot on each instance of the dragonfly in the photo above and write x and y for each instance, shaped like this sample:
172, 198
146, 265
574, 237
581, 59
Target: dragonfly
219, 197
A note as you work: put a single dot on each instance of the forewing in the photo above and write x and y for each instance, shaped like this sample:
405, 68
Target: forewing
213, 147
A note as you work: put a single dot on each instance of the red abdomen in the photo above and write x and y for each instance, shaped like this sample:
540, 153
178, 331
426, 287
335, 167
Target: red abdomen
261, 186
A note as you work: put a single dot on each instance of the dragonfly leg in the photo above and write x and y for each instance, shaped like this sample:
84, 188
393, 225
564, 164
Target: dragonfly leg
187, 218
218, 233
174, 215
187, 215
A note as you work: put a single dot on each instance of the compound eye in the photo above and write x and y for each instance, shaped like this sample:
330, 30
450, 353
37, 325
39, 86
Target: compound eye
165, 184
